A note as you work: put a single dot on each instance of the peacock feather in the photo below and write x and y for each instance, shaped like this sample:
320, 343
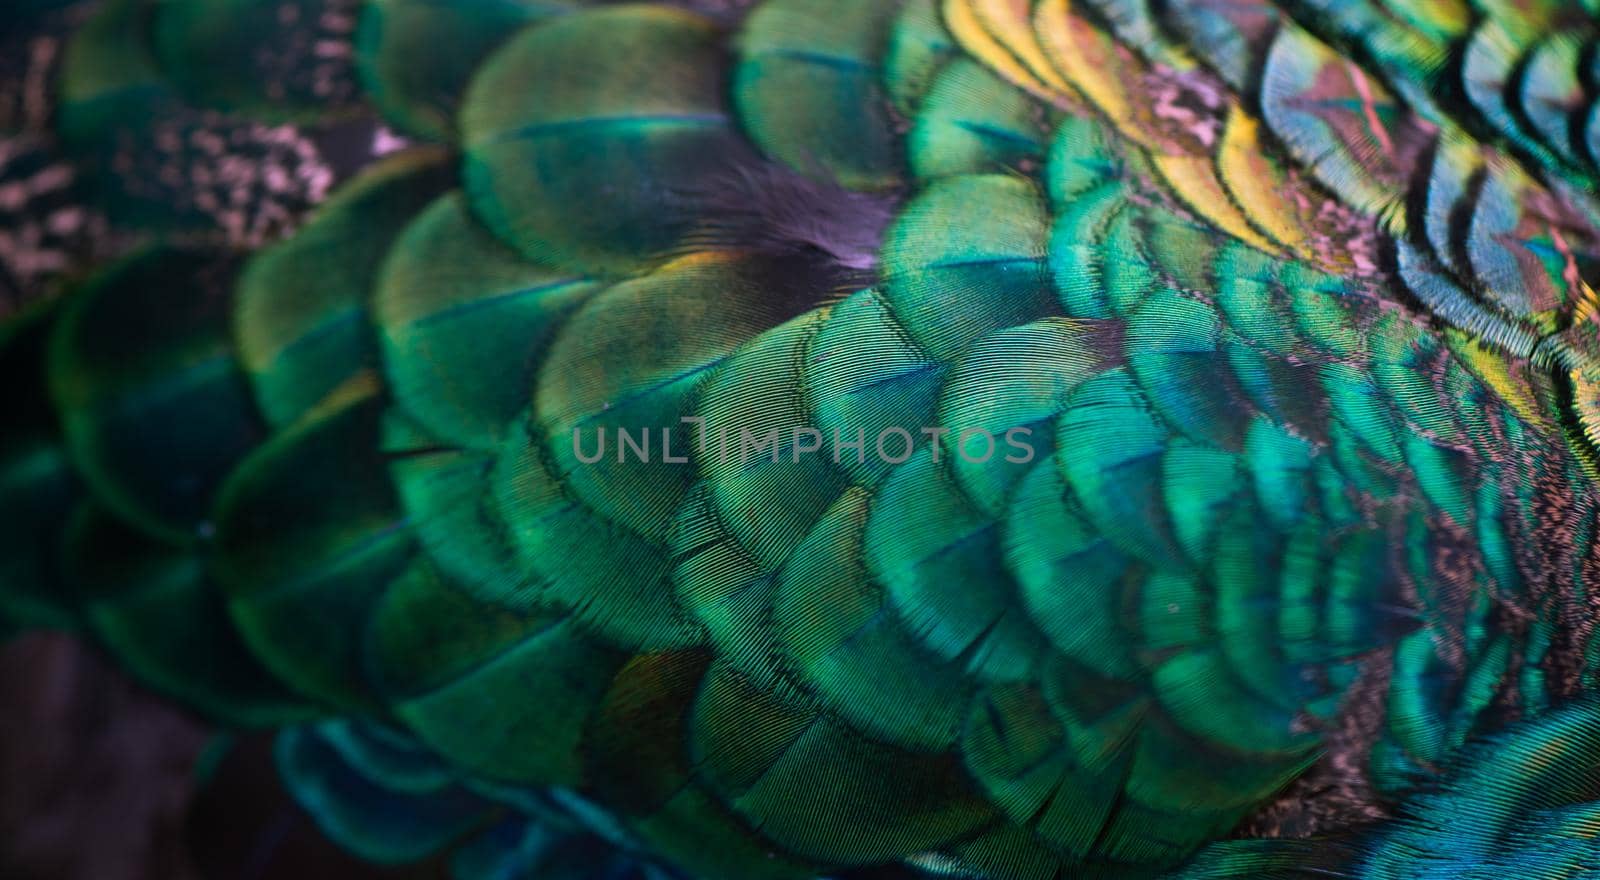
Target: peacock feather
992, 439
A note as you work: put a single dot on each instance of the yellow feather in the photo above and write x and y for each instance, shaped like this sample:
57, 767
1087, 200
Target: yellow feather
1194, 180
1493, 369
1008, 22
965, 25
1089, 60
1257, 184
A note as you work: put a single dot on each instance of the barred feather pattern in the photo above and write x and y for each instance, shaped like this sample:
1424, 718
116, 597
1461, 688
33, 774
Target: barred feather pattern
1278, 317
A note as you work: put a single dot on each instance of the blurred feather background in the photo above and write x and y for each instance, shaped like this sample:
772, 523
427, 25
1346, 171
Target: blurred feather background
99, 779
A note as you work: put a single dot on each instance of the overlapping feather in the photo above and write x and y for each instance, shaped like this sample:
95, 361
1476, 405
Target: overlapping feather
1293, 345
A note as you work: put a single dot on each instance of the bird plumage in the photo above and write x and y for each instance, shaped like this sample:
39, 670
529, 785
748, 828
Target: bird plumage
1278, 319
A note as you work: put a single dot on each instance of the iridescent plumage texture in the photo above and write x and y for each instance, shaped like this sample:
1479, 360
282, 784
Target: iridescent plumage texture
1289, 304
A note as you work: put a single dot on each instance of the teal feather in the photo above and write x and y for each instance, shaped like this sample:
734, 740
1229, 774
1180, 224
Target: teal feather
366, 812
413, 84
809, 89
131, 357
